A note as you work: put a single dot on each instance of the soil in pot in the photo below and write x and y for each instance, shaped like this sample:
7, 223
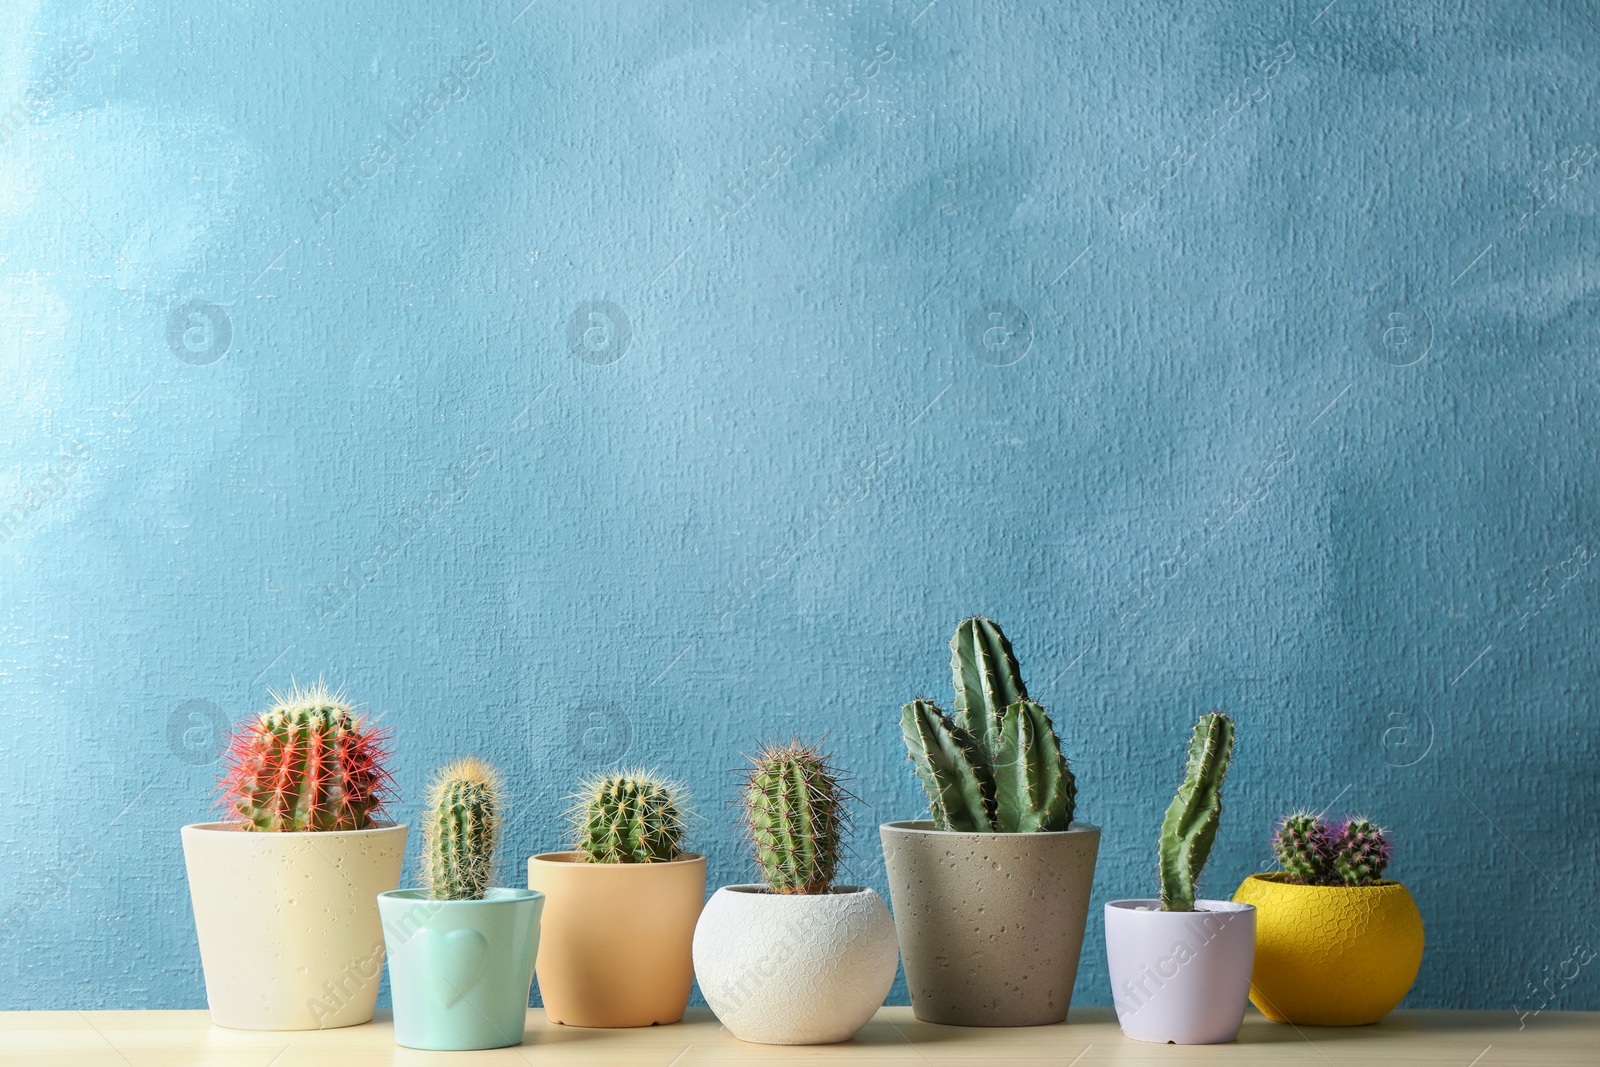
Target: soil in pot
288, 922
990, 925
460, 970
795, 969
1180, 977
615, 941
1332, 955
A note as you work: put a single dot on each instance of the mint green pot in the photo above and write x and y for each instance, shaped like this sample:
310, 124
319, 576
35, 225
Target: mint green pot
460, 970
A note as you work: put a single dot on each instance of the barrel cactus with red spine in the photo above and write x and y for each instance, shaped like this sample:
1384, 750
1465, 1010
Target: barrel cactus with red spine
308, 763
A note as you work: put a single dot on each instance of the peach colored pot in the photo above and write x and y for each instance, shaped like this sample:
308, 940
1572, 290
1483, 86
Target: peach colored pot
616, 942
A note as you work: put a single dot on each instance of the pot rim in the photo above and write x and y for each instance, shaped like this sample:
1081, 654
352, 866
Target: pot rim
925, 826
565, 859
1143, 906
1281, 878
418, 895
761, 889
235, 828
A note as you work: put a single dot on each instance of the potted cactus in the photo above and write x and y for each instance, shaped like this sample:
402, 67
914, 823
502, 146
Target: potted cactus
620, 906
284, 890
795, 960
1180, 966
1337, 943
998, 879
461, 951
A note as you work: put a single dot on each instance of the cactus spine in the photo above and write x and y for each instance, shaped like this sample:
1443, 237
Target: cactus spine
1190, 826
635, 817
462, 829
306, 763
1354, 853
996, 765
796, 812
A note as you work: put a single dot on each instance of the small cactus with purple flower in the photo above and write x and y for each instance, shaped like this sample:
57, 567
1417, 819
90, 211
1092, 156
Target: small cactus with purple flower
1314, 852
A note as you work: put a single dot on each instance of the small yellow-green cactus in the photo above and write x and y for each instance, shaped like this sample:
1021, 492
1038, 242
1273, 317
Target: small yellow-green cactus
461, 830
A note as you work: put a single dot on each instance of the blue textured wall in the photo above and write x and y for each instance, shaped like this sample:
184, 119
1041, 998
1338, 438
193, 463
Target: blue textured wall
582, 383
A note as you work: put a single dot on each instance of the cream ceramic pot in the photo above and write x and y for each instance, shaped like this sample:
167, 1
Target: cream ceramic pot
791, 969
288, 922
614, 943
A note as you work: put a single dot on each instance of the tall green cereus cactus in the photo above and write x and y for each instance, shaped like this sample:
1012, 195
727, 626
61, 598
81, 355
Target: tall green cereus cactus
996, 765
306, 763
629, 818
461, 831
796, 811
1190, 826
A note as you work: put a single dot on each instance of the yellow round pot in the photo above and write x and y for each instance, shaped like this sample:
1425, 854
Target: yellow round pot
1331, 955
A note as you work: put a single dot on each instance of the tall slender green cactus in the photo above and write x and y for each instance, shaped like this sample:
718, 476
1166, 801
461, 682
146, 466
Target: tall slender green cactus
796, 809
634, 817
1190, 826
462, 829
996, 766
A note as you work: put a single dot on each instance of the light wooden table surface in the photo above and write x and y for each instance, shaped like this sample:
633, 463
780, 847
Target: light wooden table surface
1430, 1038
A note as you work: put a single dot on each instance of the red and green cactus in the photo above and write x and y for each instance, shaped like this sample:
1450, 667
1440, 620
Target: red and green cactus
308, 763
1315, 852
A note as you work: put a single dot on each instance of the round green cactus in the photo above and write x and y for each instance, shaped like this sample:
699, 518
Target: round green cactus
797, 815
635, 817
1313, 853
1360, 852
1302, 847
461, 831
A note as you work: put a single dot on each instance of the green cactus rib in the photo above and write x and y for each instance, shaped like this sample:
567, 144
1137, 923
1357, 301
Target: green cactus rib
955, 771
796, 813
1033, 788
632, 817
996, 765
461, 830
1190, 826
986, 677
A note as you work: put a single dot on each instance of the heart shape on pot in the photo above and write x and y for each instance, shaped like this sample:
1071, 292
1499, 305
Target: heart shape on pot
451, 962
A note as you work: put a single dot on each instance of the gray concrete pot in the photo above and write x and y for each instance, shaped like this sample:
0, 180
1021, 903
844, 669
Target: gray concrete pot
990, 925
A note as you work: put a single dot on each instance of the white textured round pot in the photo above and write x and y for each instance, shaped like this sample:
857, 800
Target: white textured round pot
288, 922
991, 925
790, 969
1180, 977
